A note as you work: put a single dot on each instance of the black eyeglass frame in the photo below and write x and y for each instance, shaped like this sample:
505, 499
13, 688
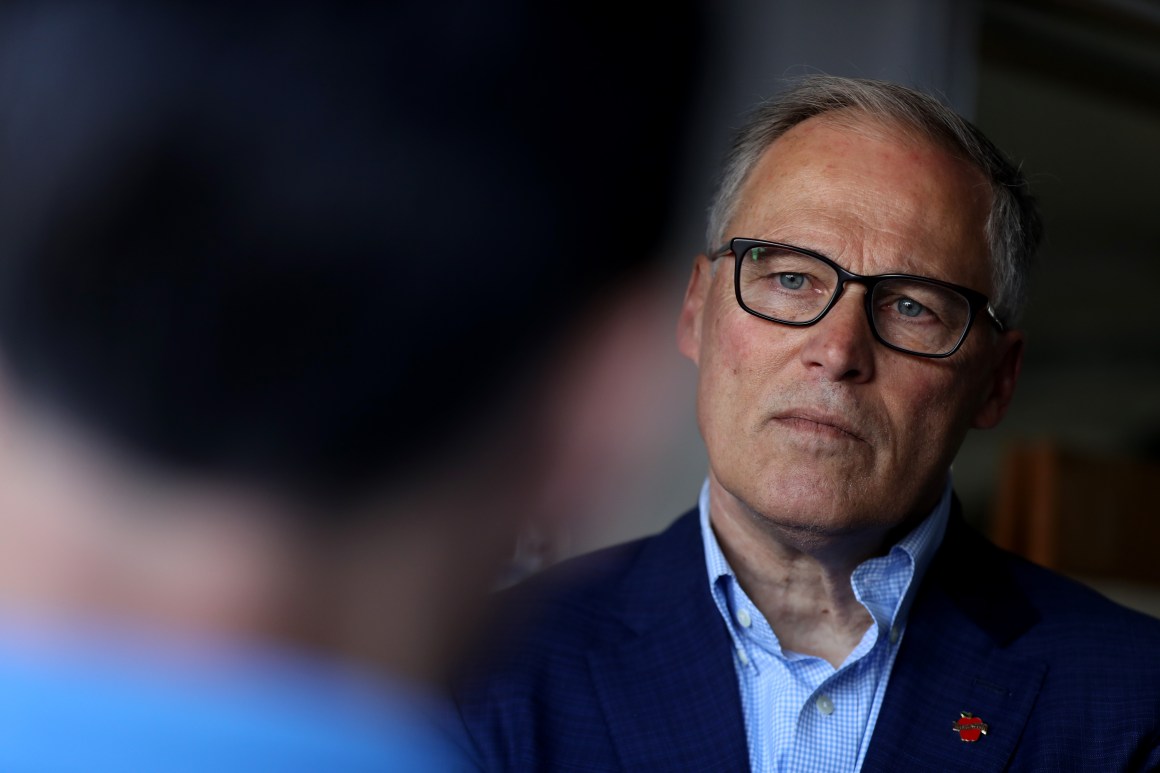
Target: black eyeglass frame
976, 301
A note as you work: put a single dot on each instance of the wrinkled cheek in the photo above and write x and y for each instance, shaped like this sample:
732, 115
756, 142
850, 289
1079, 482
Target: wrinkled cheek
744, 363
749, 349
726, 368
936, 429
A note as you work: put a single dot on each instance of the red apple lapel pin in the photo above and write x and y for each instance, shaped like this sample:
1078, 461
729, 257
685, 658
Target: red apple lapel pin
970, 728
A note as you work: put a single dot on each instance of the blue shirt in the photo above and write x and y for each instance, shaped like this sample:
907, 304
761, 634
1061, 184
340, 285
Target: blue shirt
802, 714
125, 704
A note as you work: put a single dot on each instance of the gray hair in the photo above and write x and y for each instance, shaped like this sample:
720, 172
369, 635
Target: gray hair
1013, 227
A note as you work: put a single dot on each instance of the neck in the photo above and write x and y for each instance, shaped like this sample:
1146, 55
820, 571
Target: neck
90, 535
801, 585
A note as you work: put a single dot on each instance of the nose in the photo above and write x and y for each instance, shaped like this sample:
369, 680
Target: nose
840, 347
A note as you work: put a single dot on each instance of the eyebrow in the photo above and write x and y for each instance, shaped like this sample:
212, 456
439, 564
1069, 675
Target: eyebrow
916, 269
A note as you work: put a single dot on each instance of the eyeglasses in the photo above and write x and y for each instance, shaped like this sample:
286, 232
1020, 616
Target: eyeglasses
795, 286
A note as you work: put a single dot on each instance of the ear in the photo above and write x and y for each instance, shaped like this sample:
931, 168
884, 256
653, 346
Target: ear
1002, 383
693, 309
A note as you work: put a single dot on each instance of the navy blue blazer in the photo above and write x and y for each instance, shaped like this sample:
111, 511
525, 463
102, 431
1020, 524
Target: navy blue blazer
625, 664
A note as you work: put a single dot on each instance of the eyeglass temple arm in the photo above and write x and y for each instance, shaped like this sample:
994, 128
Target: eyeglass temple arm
995, 318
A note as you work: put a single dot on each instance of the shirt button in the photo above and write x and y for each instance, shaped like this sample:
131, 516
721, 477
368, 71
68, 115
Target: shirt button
742, 657
895, 634
825, 705
744, 618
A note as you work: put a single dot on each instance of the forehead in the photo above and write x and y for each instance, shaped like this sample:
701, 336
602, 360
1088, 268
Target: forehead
873, 197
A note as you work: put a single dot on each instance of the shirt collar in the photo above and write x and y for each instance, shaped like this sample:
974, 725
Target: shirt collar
885, 585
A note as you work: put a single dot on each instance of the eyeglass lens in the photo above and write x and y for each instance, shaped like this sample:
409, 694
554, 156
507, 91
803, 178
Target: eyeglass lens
911, 314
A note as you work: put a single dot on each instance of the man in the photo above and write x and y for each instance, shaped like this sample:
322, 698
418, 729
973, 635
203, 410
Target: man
825, 607
270, 401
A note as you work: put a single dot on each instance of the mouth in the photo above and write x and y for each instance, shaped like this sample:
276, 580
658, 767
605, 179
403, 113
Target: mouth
819, 423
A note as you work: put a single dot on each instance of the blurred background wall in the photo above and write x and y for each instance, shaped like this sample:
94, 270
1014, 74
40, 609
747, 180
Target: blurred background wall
1070, 88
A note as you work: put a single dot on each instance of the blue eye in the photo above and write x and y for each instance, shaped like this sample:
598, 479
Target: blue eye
909, 308
791, 281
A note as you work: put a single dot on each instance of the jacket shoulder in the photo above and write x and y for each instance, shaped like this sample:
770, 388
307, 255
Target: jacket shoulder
529, 701
1065, 607
604, 592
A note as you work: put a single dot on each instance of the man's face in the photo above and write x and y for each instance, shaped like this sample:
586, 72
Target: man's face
822, 430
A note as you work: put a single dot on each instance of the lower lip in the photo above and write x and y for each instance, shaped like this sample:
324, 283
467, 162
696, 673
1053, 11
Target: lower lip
815, 428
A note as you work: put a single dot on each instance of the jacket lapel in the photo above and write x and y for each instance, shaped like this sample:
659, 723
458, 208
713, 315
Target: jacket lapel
954, 658
668, 687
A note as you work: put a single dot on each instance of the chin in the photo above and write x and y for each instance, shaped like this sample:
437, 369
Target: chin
825, 506
818, 520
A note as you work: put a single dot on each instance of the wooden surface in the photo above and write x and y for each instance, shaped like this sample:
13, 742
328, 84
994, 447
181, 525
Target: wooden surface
1093, 516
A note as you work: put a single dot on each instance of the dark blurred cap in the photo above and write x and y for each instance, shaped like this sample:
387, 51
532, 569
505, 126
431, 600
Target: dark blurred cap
312, 242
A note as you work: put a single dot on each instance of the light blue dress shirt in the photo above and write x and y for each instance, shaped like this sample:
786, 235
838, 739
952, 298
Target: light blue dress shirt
802, 714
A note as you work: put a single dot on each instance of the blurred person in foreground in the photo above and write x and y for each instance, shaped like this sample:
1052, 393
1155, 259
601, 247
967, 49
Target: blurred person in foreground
825, 607
276, 286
